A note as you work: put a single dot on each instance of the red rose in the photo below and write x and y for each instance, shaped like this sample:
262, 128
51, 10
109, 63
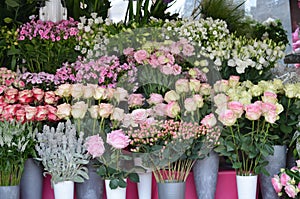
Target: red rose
52, 113
50, 97
25, 97
11, 95
38, 94
42, 113
30, 112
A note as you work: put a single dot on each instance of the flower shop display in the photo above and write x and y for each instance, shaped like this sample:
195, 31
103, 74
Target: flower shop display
63, 156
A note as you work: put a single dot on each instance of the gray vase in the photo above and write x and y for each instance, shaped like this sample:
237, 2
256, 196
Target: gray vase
10, 192
276, 162
171, 190
91, 188
206, 175
31, 186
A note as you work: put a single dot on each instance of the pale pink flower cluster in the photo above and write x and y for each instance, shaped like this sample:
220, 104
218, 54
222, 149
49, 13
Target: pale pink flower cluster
10, 78
163, 58
48, 30
27, 105
104, 71
287, 182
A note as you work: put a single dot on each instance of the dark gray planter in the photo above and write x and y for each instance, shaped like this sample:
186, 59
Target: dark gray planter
91, 188
276, 162
206, 175
31, 186
171, 190
10, 192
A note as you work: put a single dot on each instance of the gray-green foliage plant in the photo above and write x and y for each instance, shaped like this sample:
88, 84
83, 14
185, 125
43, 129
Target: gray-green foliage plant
17, 142
62, 153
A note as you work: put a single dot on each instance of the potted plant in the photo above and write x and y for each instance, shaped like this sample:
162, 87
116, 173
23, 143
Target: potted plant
112, 166
63, 156
247, 118
16, 146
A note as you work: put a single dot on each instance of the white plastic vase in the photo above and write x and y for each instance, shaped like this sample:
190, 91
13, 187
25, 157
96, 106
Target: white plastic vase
246, 186
118, 193
64, 190
145, 184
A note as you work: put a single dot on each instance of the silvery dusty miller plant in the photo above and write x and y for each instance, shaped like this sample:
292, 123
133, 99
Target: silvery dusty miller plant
62, 153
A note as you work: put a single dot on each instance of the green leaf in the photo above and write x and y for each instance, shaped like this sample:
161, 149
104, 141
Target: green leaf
12, 3
114, 183
8, 20
286, 129
122, 183
237, 165
102, 170
134, 177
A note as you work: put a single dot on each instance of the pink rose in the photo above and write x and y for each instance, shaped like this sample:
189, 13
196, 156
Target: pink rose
128, 51
110, 93
276, 183
2, 89
52, 113
94, 111
205, 89
190, 105
159, 109
79, 109
236, 107
10, 95
95, 146
194, 85
63, 111
233, 80
171, 96
284, 179
269, 97
100, 93
120, 94
25, 96
139, 115
77, 90
269, 112
63, 90
253, 111
221, 100
221, 86
105, 110
140, 56
30, 112
209, 120
167, 69
182, 86
227, 117
290, 190
172, 109
88, 91
155, 98
38, 94
50, 97
135, 100
117, 115
199, 100
9, 111
42, 113
118, 139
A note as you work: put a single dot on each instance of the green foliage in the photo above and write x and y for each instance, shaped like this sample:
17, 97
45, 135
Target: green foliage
16, 146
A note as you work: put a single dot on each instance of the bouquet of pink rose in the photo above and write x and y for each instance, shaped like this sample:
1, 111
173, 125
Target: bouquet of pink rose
112, 160
287, 182
247, 118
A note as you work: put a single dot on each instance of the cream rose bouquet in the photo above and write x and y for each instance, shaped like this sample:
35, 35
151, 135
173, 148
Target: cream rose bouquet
247, 120
112, 160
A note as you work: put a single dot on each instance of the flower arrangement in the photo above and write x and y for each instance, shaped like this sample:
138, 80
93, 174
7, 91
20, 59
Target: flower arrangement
62, 154
111, 158
247, 118
17, 142
287, 182
46, 45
